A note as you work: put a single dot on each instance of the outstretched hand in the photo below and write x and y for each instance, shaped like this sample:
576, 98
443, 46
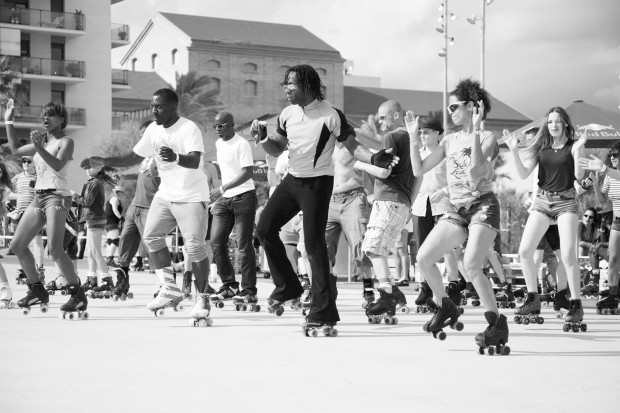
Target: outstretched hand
511, 140
92, 162
581, 143
369, 128
593, 164
258, 130
412, 123
384, 159
10, 110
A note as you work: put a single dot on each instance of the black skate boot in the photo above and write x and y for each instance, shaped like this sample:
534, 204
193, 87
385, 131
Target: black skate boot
574, 318
246, 300
226, 293
77, 303
401, 300
121, 289
496, 334
59, 284
446, 315
36, 295
310, 328
91, 282
139, 265
608, 305
187, 284
104, 290
529, 311
21, 277
425, 294
403, 282
383, 309
471, 294
454, 292
561, 301
505, 297
368, 294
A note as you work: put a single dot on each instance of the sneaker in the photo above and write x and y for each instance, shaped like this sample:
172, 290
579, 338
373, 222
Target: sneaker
226, 292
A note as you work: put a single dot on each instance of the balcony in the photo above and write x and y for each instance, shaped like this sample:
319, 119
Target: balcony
72, 71
120, 79
119, 35
35, 20
30, 117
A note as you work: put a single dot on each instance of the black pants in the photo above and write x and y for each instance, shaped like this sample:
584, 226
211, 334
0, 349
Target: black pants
422, 226
311, 196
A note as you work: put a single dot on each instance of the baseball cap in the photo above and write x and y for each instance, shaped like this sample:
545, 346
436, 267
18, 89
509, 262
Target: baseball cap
26, 158
431, 123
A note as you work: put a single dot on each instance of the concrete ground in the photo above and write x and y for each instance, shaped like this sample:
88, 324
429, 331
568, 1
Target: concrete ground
123, 359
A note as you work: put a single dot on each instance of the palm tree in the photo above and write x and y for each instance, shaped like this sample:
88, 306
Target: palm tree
11, 86
196, 101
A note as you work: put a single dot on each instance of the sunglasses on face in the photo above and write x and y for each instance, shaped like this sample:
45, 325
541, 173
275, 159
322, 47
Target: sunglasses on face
219, 126
454, 107
26, 161
588, 216
614, 155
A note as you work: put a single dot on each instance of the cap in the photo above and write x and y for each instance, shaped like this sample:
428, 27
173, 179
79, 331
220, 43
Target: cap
431, 123
118, 188
27, 158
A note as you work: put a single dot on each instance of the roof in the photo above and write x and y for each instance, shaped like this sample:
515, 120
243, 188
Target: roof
247, 32
365, 100
143, 84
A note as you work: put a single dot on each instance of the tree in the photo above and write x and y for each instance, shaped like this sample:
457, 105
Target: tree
513, 217
11, 86
196, 101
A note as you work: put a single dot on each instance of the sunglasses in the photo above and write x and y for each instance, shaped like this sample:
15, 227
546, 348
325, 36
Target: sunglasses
454, 107
588, 216
219, 126
26, 161
614, 155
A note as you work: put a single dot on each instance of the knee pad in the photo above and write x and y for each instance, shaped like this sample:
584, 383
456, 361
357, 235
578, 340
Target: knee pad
113, 242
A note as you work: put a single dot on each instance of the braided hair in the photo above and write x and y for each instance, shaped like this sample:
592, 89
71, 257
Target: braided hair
309, 80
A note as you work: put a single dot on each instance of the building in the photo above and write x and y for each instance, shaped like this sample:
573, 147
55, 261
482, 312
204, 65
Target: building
62, 50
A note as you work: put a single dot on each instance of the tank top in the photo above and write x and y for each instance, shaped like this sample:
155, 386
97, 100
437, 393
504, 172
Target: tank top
556, 171
47, 177
110, 216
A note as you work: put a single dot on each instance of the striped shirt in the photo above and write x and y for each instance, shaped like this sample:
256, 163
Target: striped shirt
24, 188
611, 187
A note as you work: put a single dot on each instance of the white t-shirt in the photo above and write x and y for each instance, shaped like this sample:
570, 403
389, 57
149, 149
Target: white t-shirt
178, 184
233, 155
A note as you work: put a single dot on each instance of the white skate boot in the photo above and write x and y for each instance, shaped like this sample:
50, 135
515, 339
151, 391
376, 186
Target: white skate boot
6, 297
169, 296
200, 312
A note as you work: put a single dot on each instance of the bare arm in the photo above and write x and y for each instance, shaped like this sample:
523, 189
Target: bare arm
14, 143
595, 164
273, 145
371, 169
55, 161
523, 170
115, 203
246, 173
579, 152
120, 161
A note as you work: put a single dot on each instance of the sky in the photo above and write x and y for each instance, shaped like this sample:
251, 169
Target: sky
538, 53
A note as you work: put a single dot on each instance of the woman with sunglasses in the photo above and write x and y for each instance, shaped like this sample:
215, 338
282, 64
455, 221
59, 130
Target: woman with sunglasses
589, 239
610, 190
556, 153
52, 151
476, 217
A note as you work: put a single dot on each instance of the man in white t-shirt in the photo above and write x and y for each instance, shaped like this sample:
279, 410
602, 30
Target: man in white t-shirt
234, 206
181, 200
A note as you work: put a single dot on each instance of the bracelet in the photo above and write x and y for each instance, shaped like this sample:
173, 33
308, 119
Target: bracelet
8, 122
264, 140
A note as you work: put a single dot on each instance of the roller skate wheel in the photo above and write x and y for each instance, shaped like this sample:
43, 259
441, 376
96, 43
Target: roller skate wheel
481, 351
314, 332
202, 322
71, 316
513, 305
244, 307
26, 311
575, 328
193, 322
179, 307
441, 336
44, 308
526, 321
85, 315
266, 275
395, 320
159, 313
115, 298
404, 310
490, 351
583, 327
130, 296
566, 327
256, 308
270, 310
461, 310
220, 304
559, 315
505, 351
279, 311
459, 326
123, 297
237, 307
540, 320
370, 320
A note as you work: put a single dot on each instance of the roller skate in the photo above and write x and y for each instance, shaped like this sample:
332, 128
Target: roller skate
547, 297
520, 294
138, 265
425, 294
561, 301
310, 327
6, 297
305, 281
90, 283
446, 315
200, 312
277, 307
608, 305
104, 290
37, 294
187, 284
496, 334
591, 290
368, 294
76, 305
59, 284
470, 295
169, 296
505, 297
226, 293
110, 262
403, 282
454, 292
20, 278
121, 289
529, 311
401, 300
306, 302
574, 318
384, 309
246, 301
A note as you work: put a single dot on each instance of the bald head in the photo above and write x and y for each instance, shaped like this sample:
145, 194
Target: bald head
224, 125
224, 117
390, 115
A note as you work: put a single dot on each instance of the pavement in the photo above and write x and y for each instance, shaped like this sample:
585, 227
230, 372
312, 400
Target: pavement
123, 359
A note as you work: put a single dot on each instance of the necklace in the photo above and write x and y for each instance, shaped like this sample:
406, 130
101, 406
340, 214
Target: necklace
555, 146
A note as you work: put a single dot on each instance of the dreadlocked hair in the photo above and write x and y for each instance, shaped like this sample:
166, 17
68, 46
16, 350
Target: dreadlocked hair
469, 90
5, 179
308, 79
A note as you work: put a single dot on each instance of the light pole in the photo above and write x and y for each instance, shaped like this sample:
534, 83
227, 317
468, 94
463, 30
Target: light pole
447, 40
472, 20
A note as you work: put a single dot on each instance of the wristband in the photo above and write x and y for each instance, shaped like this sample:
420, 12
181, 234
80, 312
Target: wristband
177, 159
264, 140
604, 168
8, 122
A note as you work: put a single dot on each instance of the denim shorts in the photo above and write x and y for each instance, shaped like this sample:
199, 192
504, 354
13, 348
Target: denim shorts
554, 204
485, 211
43, 201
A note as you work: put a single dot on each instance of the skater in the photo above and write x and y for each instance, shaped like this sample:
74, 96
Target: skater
113, 220
309, 127
476, 217
589, 245
390, 212
6, 295
52, 150
234, 206
91, 203
609, 190
176, 145
556, 153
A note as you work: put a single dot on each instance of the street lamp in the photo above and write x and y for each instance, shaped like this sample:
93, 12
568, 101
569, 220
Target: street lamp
482, 19
443, 53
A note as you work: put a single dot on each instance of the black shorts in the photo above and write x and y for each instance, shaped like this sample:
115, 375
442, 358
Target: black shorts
552, 236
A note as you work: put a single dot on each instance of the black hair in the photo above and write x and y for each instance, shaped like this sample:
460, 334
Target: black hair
56, 108
168, 95
309, 80
615, 149
469, 90
106, 177
5, 179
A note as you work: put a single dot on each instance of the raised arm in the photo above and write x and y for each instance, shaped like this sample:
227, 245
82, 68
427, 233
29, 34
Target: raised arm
420, 167
578, 152
14, 143
523, 170
595, 164
120, 161
273, 145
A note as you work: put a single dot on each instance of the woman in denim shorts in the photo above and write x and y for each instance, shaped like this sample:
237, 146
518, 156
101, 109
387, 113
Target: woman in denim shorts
469, 175
556, 154
52, 150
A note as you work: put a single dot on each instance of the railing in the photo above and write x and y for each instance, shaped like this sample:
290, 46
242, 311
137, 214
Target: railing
120, 31
32, 114
47, 67
43, 18
120, 77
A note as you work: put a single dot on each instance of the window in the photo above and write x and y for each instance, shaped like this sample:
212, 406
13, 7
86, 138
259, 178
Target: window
133, 64
174, 56
25, 45
213, 64
250, 67
214, 84
153, 61
322, 72
250, 88
57, 6
58, 92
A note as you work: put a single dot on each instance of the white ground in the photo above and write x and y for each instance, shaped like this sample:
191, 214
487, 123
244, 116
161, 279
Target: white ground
123, 359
